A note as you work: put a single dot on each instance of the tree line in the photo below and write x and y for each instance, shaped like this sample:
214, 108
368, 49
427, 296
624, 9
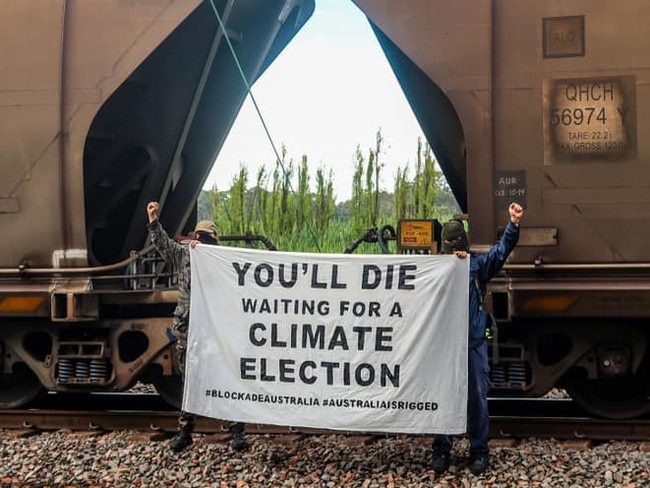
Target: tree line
295, 215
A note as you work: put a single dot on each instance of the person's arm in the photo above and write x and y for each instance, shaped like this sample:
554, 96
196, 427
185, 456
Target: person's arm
166, 246
495, 258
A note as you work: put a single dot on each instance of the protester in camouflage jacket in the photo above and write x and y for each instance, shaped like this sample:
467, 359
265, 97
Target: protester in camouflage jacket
178, 256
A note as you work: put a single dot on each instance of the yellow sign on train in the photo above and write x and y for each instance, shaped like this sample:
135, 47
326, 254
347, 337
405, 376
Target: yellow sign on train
415, 234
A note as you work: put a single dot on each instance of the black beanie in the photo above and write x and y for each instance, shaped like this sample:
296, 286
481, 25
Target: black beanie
453, 236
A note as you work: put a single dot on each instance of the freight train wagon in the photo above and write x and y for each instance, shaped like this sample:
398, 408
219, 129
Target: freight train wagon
104, 106
546, 103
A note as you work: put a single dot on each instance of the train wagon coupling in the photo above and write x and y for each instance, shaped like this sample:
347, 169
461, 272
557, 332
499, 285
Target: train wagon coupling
373, 235
413, 236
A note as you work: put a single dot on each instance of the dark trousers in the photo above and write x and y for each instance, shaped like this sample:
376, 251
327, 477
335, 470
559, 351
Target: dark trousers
478, 419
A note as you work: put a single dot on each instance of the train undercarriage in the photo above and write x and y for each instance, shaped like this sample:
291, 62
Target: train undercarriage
604, 367
583, 328
103, 356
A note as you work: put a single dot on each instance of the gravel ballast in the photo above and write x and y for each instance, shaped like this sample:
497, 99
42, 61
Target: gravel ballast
125, 459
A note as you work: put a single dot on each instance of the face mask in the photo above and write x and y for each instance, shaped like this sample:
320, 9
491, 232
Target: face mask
454, 237
204, 238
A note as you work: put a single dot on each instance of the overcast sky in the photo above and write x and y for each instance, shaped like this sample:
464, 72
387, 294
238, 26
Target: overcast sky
328, 92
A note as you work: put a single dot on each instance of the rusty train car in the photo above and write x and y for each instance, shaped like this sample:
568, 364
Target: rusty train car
543, 102
104, 106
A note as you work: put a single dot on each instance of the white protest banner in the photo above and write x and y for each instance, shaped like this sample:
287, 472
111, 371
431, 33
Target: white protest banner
339, 341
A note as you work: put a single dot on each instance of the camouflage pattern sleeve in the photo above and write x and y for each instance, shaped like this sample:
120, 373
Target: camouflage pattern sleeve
179, 258
167, 247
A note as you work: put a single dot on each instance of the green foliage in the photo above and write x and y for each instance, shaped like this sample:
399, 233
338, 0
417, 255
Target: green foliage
416, 199
356, 202
324, 202
311, 221
365, 209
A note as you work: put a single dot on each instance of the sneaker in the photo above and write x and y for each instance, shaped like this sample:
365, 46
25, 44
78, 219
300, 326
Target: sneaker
479, 464
238, 442
181, 440
440, 462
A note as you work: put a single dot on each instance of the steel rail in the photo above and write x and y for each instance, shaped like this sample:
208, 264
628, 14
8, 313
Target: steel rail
541, 418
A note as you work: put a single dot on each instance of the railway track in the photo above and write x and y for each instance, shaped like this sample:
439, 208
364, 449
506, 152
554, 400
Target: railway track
510, 418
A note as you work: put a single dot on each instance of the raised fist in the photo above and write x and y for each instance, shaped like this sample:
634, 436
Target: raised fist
516, 212
152, 211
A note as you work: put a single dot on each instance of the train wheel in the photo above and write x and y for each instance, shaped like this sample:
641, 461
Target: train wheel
19, 388
170, 388
614, 398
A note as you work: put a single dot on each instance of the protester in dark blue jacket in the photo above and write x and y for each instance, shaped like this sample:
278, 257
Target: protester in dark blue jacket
482, 268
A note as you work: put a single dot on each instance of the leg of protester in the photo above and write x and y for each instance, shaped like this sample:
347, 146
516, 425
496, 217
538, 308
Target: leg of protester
478, 417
